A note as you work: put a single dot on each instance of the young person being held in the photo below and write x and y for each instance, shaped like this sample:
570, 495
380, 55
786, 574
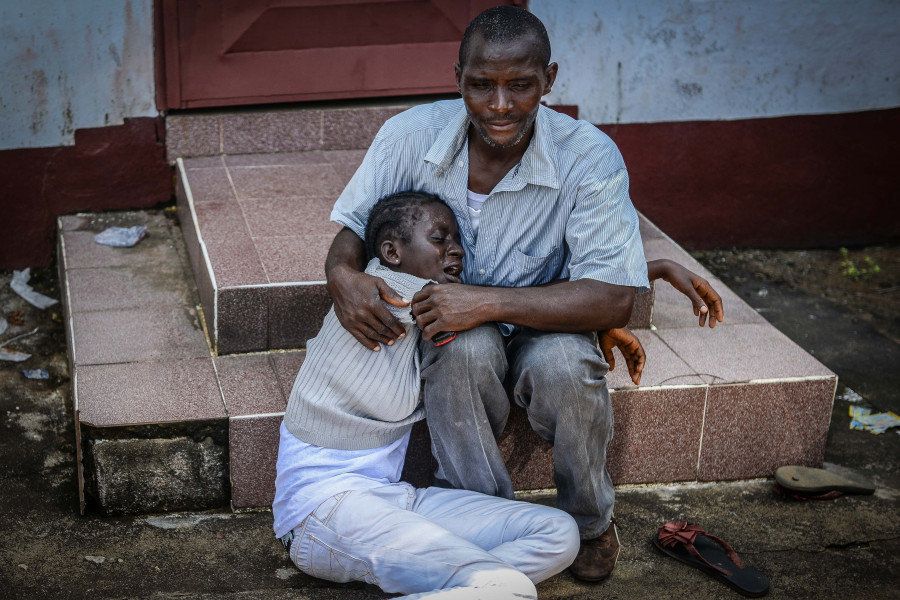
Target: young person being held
340, 507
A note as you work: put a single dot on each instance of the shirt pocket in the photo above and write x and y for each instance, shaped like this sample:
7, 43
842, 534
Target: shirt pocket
535, 270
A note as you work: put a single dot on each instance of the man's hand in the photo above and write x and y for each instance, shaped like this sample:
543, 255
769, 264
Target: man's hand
629, 346
448, 307
358, 305
706, 302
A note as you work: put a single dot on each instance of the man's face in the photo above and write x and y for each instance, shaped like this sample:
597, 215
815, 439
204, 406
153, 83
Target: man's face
434, 250
502, 84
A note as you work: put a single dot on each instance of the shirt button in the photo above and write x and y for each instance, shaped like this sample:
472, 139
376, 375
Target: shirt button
460, 163
481, 271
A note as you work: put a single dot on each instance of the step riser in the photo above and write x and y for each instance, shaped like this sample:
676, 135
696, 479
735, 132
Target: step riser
296, 129
692, 433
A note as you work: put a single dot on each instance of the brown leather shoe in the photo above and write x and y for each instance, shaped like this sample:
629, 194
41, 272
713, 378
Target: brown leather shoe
597, 557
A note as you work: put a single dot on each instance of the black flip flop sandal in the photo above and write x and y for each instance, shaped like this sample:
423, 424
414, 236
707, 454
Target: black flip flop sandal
688, 543
807, 480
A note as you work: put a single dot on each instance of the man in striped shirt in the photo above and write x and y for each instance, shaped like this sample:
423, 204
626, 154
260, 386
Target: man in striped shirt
553, 251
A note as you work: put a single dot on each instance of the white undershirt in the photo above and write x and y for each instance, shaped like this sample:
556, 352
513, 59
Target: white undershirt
474, 201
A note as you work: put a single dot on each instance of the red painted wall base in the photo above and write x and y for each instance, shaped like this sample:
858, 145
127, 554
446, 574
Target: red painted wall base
804, 181
119, 167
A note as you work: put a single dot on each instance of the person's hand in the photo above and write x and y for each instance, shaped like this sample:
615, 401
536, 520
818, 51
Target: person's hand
629, 346
707, 303
447, 307
358, 305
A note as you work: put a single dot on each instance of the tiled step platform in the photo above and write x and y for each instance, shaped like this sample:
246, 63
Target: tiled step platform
179, 388
164, 423
255, 190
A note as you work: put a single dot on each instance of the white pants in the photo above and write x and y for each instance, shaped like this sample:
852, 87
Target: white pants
435, 542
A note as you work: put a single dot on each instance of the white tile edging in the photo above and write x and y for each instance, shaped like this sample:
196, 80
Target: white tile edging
702, 430
70, 321
258, 416
212, 276
273, 285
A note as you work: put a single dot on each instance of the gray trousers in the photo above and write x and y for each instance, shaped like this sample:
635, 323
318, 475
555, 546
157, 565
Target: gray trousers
558, 378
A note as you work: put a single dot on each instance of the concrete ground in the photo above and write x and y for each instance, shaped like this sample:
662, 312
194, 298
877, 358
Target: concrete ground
846, 548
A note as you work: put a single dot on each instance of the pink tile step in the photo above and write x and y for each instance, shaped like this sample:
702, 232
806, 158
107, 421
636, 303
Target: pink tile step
258, 245
257, 230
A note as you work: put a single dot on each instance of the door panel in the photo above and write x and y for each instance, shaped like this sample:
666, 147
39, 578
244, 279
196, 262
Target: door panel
229, 52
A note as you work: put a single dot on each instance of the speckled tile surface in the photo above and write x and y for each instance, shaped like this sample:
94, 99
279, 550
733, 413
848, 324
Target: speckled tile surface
242, 324
141, 393
138, 334
253, 450
657, 434
735, 353
286, 366
752, 429
249, 385
296, 314
354, 127
662, 366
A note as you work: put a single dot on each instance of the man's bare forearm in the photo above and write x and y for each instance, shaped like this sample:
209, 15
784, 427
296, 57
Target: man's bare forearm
346, 251
567, 306
582, 305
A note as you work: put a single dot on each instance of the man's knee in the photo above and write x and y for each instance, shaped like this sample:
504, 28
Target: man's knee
565, 362
475, 351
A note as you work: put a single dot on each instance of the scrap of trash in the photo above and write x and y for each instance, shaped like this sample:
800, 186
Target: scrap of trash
121, 237
4, 325
850, 396
12, 355
19, 285
863, 419
36, 374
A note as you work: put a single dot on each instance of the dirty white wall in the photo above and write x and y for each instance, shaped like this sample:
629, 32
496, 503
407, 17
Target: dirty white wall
69, 64
627, 61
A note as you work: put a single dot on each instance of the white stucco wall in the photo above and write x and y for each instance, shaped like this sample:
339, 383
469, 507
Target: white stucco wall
69, 64
639, 61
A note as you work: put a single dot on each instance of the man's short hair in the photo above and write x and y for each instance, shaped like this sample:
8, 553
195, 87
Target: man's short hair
394, 217
503, 24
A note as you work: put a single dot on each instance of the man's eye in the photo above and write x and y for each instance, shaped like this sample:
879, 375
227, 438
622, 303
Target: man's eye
520, 87
481, 85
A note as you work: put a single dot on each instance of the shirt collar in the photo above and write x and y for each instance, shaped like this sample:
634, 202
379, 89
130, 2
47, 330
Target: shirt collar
536, 167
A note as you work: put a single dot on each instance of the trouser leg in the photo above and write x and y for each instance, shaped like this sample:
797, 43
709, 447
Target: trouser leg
537, 540
467, 406
378, 537
560, 380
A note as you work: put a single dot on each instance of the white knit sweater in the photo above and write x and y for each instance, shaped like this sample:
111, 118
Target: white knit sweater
348, 397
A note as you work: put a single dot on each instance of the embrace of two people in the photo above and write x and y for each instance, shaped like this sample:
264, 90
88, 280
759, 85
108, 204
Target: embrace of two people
509, 224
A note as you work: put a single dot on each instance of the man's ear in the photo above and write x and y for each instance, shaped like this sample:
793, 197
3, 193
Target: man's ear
458, 70
390, 253
550, 74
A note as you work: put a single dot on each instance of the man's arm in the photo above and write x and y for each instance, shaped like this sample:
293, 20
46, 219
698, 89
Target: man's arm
358, 296
582, 305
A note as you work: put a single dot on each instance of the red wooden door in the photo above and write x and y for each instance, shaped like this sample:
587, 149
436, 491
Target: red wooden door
228, 52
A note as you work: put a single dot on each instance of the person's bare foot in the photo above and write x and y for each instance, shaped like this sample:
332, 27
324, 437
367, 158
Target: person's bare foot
597, 557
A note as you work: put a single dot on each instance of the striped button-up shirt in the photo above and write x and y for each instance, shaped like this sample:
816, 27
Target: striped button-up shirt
562, 213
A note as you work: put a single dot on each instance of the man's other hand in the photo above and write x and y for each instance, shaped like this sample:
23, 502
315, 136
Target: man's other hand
359, 305
706, 302
629, 346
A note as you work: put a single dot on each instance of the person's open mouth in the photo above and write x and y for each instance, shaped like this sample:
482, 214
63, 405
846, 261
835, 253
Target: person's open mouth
452, 272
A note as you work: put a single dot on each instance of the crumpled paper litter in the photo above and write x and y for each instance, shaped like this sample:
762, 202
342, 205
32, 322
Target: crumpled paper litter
19, 284
121, 237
